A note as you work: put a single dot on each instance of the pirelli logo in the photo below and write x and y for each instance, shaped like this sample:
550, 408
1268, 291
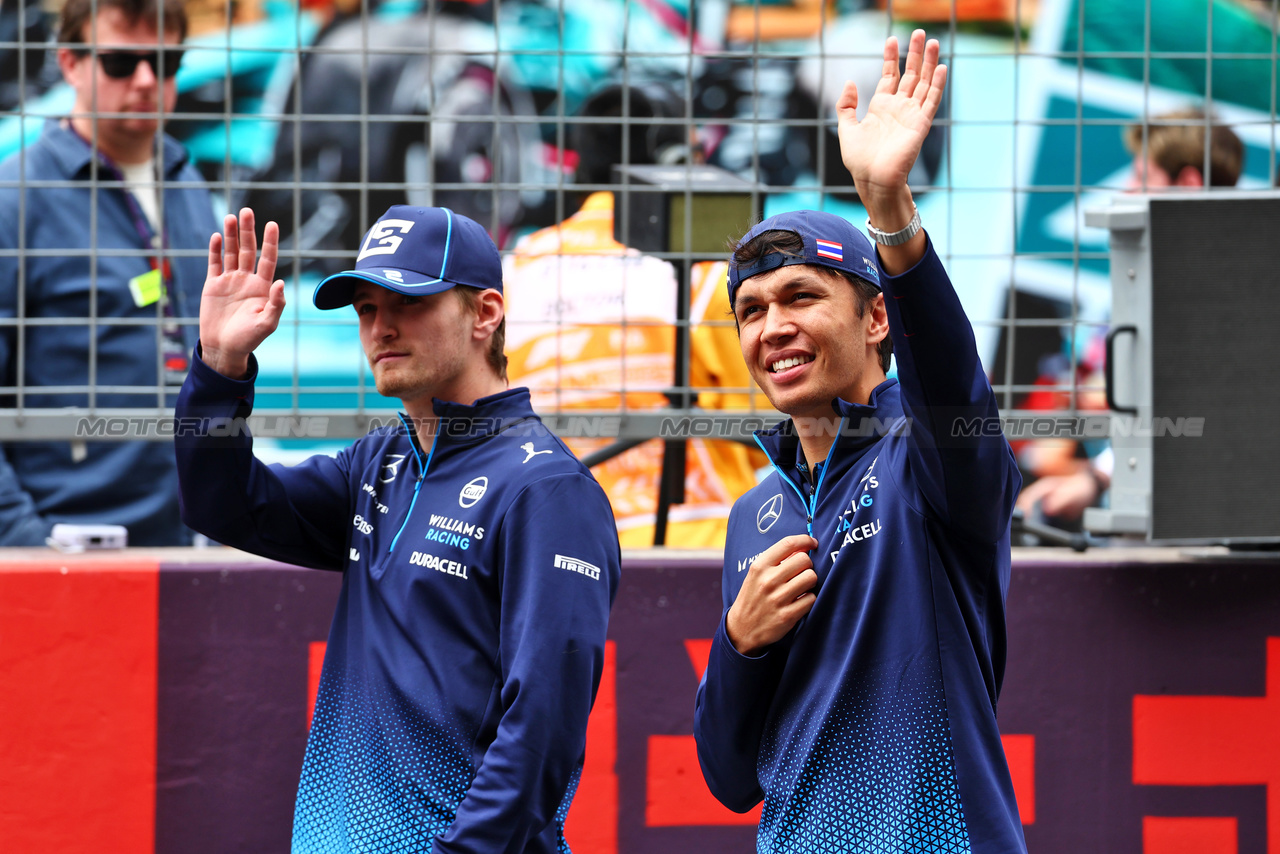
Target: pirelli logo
580, 566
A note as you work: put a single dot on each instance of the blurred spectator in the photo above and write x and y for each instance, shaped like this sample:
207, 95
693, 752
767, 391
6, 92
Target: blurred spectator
92, 223
1166, 155
1173, 156
1069, 475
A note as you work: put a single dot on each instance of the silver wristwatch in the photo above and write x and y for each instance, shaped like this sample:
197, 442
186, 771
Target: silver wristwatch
896, 238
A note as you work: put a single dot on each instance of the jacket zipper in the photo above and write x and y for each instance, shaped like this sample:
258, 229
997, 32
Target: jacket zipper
811, 506
422, 474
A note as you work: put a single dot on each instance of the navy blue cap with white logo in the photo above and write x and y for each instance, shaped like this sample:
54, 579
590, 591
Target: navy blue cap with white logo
829, 241
417, 251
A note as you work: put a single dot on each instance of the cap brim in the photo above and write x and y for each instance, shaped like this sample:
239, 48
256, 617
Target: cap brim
337, 290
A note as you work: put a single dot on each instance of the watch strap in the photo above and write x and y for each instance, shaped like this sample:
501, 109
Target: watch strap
896, 238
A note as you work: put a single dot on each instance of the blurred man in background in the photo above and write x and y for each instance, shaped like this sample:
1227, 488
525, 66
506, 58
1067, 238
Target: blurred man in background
1168, 155
93, 233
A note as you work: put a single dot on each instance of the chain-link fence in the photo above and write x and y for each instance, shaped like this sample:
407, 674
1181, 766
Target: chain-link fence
321, 115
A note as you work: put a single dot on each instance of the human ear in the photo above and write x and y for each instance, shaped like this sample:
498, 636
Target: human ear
1189, 176
71, 67
490, 311
878, 325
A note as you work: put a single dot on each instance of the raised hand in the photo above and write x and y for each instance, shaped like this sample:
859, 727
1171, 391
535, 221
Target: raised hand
880, 150
239, 307
776, 593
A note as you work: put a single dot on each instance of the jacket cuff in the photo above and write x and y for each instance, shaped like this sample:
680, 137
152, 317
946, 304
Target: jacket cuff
927, 260
730, 653
210, 378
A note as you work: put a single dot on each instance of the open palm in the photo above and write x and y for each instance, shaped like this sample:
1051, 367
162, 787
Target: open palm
880, 150
240, 306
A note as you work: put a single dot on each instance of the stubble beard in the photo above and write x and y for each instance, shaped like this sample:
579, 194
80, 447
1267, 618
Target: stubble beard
400, 384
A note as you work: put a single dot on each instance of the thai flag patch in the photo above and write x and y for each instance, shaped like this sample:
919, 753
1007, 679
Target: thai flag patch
828, 249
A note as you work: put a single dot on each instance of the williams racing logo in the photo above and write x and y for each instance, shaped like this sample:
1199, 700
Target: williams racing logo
769, 513
848, 527
473, 492
590, 570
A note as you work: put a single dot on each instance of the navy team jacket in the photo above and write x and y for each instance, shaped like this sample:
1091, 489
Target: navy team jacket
467, 646
871, 727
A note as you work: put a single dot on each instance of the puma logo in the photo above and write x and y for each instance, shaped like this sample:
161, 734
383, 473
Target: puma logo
527, 447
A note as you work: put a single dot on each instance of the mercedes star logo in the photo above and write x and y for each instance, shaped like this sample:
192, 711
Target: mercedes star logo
769, 513
390, 467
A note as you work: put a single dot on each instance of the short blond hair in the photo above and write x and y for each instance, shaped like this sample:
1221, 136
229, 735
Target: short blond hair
1178, 142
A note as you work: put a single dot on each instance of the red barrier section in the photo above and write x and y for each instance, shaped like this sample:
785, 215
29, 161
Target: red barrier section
592, 824
78, 716
699, 650
315, 664
676, 793
1189, 835
1020, 753
1214, 741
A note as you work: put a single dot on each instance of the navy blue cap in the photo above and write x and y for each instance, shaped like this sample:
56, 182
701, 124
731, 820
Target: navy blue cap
829, 241
417, 251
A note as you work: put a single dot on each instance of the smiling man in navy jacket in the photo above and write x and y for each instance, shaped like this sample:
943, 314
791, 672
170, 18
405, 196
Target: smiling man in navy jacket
853, 679
469, 636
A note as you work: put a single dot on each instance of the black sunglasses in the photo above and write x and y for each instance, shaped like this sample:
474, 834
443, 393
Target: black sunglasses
121, 65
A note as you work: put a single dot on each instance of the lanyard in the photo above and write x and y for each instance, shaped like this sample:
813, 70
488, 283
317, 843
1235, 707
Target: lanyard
174, 350
140, 223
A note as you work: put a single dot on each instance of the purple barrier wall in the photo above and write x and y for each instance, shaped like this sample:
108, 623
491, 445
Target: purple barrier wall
1153, 693
232, 702
1141, 704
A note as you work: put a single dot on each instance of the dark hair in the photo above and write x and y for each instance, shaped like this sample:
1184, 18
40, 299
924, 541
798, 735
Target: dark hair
1180, 143
790, 243
497, 358
75, 19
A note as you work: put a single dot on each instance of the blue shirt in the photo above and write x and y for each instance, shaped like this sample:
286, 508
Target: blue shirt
76, 264
467, 645
871, 726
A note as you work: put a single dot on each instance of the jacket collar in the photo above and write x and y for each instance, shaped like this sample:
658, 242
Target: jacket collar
508, 403
73, 153
864, 424
467, 424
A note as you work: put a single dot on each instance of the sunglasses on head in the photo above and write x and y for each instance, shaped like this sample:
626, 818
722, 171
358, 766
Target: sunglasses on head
121, 65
